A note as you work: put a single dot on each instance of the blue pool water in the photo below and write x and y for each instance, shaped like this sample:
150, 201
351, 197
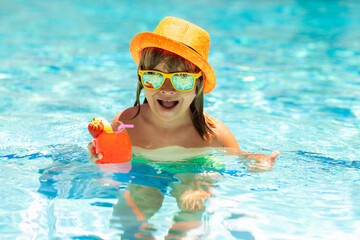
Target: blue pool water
288, 79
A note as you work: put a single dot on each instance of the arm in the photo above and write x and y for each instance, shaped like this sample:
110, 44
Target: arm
225, 139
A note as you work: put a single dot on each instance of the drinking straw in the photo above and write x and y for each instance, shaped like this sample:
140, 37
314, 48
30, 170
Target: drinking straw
124, 126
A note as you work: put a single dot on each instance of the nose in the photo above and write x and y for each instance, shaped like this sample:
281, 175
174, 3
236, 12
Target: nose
167, 87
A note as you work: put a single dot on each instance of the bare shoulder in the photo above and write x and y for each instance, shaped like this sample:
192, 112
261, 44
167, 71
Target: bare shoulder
223, 136
127, 115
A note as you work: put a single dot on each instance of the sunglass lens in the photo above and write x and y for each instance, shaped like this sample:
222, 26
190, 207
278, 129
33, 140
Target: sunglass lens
183, 82
152, 79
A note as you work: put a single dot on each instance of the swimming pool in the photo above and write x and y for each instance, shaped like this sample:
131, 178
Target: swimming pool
288, 79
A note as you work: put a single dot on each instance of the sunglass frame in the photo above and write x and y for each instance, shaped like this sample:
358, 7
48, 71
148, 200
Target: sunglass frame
169, 76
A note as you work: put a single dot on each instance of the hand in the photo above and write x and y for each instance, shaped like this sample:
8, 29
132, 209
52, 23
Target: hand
93, 156
271, 159
263, 162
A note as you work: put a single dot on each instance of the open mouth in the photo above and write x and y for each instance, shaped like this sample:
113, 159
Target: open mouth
168, 104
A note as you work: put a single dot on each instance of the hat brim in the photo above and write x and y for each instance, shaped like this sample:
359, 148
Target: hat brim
149, 39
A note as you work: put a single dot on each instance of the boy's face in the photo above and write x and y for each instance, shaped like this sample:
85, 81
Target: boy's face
167, 103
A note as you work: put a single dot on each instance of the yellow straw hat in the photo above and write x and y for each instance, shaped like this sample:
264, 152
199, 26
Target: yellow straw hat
182, 38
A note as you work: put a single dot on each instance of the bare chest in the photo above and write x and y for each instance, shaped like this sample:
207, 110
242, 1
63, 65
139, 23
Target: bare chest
151, 138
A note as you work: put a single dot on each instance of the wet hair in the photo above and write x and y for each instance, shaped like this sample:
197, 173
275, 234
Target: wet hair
150, 58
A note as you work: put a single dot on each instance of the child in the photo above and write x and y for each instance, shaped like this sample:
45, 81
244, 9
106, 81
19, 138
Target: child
174, 73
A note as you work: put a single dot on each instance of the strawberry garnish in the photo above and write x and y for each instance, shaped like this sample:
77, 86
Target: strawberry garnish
95, 128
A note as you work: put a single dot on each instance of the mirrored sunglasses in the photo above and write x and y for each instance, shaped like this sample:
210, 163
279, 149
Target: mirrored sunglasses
181, 81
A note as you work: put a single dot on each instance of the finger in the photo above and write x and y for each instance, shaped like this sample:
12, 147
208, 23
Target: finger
95, 157
271, 159
90, 147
